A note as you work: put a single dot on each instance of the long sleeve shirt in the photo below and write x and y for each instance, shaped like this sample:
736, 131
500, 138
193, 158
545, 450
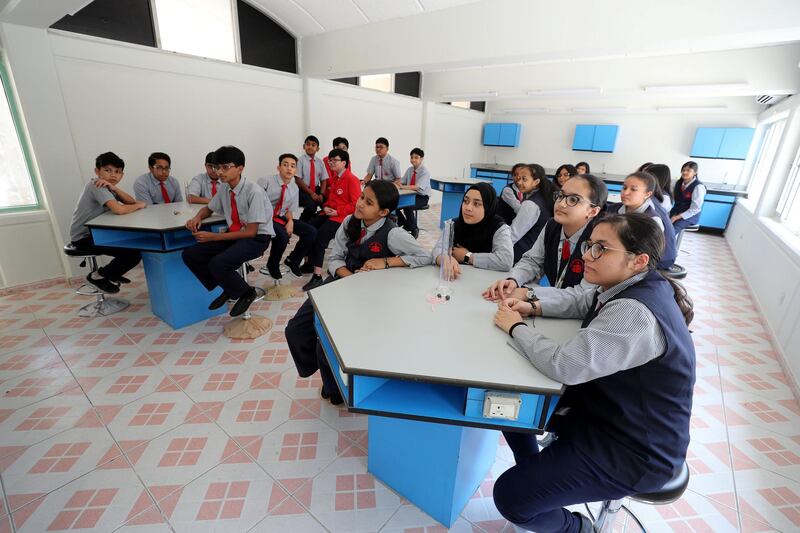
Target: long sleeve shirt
509, 196
343, 193
527, 215
500, 258
530, 266
698, 197
400, 242
623, 335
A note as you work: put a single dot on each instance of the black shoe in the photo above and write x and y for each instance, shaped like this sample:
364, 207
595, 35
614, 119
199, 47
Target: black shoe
415, 232
103, 284
244, 301
586, 524
219, 301
294, 268
272, 271
122, 280
335, 399
313, 283
307, 268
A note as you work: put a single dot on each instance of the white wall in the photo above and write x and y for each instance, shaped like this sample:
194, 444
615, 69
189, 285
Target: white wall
547, 139
452, 139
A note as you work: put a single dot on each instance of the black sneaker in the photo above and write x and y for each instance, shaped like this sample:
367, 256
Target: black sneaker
313, 283
415, 232
294, 268
307, 267
244, 301
219, 301
271, 271
103, 284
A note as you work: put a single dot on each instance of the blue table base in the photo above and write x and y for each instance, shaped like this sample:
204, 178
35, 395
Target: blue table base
438, 467
176, 297
451, 206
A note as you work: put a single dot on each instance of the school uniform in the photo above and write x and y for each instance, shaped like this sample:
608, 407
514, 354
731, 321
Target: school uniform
382, 239
421, 179
666, 203
203, 186
384, 168
657, 213
623, 421
151, 191
688, 198
284, 198
91, 204
312, 171
499, 257
511, 200
216, 263
527, 221
328, 167
343, 193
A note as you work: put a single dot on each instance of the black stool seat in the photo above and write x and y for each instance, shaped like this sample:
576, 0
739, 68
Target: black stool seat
422, 208
72, 251
675, 272
670, 492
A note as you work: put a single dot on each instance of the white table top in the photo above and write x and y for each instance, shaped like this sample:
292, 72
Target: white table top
159, 217
382, 323
459, 181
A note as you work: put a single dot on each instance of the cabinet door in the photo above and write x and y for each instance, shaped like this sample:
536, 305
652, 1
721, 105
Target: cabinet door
735, 143
707, 142
509, 134
491, 134
584, 137
605, 138
715, 215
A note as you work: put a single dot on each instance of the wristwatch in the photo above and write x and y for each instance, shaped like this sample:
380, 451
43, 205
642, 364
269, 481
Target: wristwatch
466, 258
531, 296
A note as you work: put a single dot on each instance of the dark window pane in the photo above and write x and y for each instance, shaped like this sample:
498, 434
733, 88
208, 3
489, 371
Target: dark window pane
122, 20
351, 81
264, 43
407, 83
478, 106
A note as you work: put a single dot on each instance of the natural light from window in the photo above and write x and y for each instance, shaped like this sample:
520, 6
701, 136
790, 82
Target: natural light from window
380, 82
198, 27
766, 155
16, 187
463, 105
789, 204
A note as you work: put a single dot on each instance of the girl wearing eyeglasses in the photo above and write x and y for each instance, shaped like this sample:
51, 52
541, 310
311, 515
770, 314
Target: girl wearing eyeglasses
642, 194
622, 424
534, 199
556, 253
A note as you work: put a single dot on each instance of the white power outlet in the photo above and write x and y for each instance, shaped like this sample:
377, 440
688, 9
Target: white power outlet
501, 405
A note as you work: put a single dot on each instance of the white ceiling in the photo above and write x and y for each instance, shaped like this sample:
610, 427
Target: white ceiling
304, 18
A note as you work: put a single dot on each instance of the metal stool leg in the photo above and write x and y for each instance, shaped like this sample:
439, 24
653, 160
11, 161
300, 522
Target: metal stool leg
607, 516
102, 306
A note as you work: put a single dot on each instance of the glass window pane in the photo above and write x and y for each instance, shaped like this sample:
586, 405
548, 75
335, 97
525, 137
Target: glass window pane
381, 82
463, 105
789, 204
16, 186
764, 159
197, 27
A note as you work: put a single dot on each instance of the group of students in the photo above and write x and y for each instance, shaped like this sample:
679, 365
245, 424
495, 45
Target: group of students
622, 425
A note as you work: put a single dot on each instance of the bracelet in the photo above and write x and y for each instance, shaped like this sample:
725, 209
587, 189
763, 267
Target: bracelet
386, 261
511, 329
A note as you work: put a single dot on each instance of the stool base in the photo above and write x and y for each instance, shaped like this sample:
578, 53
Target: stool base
103, 307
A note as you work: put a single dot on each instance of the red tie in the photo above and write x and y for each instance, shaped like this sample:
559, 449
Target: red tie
279, 206
236, 224
413, 178
565, 253
312, 178
164, 194
519, 196
213, 187
380, 172
361, 235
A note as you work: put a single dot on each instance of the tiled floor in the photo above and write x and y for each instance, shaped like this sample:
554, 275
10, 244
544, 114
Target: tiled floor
121, 423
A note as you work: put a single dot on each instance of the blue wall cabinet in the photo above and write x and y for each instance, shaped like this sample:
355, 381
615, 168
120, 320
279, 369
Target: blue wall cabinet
505, 134
722, 143
605, 138
584, 137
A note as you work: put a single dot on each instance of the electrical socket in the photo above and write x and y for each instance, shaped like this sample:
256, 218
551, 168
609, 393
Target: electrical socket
501, 405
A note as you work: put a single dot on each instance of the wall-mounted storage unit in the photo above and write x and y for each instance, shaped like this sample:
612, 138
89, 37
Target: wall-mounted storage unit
722, 143
595, 138
501, 134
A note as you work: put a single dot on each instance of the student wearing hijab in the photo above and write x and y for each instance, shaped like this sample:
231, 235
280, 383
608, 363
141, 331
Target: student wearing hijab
480, 237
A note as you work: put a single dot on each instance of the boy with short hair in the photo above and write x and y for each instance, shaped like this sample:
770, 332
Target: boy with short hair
383, 166
216, 258
100, 195
342, 144
157, 186
311, 179
418, 179
283, 194
204, 186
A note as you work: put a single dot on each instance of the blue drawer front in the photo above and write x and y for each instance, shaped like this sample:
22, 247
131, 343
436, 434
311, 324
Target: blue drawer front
715, 214
584, 137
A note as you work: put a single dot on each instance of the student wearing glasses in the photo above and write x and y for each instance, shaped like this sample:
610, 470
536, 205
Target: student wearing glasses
622, 424
157, 186
556, 252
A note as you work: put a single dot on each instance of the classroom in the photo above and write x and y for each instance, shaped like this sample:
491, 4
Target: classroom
399, 266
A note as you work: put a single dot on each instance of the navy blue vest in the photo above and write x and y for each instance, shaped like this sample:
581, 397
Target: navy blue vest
377, 246
527, 241
683, 200
574, 273
634, 424
670, 252
503, 209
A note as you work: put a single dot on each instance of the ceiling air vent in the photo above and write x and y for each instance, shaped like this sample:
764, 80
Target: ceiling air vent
770, 99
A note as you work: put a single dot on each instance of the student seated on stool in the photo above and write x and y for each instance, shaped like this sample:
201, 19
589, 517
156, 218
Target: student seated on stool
688, 196
100, 195
216, 258
157, 186
204, 186
418, 179
623, 420
282, 193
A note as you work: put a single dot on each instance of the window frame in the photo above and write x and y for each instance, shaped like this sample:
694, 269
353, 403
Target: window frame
765, 133
783, 206
22, 138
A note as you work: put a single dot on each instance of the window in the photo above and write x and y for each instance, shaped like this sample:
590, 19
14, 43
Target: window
462, 105
198, 27
789, 204
16, 186
763, 162
407, 83
130, 21
380, 82
263, 42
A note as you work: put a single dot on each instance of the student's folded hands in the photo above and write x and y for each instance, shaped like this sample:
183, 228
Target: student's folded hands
373, 264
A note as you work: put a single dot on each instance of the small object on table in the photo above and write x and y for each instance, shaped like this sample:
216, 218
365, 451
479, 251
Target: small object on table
443, 291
